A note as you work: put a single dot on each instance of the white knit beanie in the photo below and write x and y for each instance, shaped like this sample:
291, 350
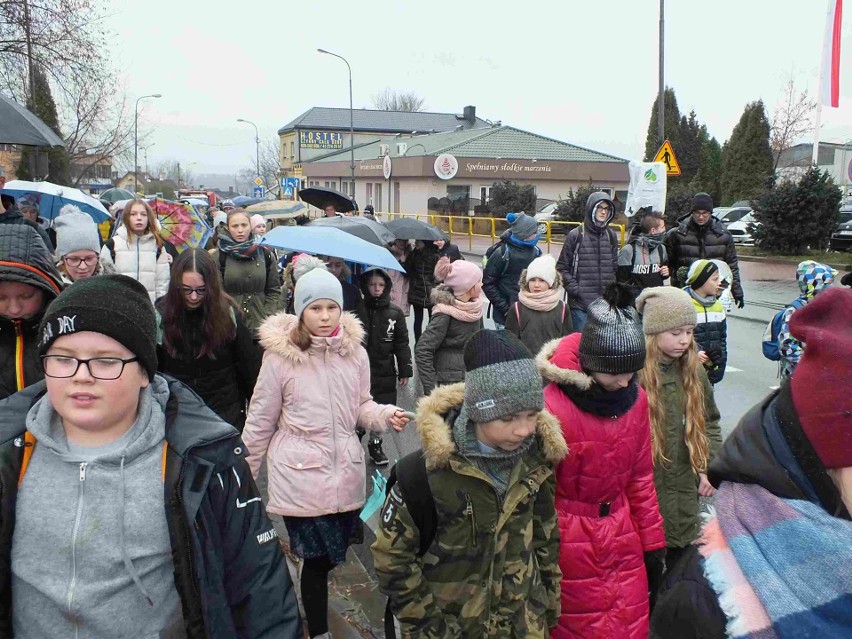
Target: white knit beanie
544, 268
316, 284
75, 231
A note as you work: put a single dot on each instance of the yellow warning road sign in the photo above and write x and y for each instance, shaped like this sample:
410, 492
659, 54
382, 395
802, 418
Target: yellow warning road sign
666, 155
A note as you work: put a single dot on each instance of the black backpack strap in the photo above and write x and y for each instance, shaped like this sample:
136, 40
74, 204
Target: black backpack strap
110, 244
410, 473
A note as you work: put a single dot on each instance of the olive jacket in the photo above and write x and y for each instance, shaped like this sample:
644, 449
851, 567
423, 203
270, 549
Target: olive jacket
492, 569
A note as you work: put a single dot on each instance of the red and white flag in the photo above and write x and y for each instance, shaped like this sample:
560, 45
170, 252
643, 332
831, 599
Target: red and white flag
830, 88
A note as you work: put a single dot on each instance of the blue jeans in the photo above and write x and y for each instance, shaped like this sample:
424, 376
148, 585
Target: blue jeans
578, 317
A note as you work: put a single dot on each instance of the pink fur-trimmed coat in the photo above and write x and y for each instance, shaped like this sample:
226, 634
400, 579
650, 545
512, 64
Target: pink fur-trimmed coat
303, 414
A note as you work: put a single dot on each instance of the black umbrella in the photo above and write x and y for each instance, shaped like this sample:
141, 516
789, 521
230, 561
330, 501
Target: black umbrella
321, 197
373, 232
407, 228
20, 126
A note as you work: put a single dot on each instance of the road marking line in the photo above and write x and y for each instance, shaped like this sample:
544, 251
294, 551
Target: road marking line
732, 369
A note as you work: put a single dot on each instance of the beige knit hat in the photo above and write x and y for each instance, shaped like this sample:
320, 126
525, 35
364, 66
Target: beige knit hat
664, 308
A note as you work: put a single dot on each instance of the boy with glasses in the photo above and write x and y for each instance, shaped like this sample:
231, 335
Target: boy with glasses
123, 493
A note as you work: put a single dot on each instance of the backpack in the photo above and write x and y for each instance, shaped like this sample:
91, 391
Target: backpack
410, 473
110, 244
771, 349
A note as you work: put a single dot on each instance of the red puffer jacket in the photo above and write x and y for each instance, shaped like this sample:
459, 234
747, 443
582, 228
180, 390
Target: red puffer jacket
606, 504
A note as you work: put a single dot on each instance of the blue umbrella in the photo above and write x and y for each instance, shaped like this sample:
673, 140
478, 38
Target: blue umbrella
330, 241
243, 200
52, 197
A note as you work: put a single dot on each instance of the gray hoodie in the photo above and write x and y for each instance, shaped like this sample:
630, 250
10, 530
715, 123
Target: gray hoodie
91, 557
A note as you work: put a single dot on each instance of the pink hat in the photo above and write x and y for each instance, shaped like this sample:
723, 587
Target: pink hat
256, 219
460, 276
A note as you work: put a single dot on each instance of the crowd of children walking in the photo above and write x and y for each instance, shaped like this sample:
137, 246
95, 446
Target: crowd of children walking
556, 491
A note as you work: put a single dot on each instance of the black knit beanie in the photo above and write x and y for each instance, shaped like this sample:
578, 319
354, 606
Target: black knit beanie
114, 305
612, 340
702, 202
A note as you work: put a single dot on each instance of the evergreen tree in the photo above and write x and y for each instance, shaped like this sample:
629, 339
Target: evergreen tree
671, 123
710, 172
690, 147
747, 161
511, 197
572, 208
795, 217
41, 104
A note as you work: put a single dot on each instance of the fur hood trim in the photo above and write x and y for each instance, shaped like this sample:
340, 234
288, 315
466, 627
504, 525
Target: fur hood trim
443, 294
275, 337
523, 280
287, 276
553, 373
437, 439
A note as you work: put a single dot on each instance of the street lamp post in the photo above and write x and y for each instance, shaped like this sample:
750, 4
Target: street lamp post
256, 143
136, 141
146, 155
351, 121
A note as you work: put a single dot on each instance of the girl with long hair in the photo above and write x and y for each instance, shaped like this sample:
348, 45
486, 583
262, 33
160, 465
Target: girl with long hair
312, 393
203, 341
684, 418
249, 271
138, 250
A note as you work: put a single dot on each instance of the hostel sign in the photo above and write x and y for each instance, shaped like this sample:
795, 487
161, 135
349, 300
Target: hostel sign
320, 140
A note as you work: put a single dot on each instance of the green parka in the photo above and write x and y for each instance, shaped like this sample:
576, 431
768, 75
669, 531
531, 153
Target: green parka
675, 481
254, 285
493, 568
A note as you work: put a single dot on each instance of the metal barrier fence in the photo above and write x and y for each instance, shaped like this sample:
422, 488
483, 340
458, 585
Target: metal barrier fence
489, 227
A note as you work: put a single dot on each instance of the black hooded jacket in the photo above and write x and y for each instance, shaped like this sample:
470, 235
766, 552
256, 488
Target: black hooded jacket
589, 257
385, 337
24, 259
689, 242
230, 572
14, 216
502, 273
767, 448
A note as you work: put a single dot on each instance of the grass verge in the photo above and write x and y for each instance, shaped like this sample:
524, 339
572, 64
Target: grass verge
827, 257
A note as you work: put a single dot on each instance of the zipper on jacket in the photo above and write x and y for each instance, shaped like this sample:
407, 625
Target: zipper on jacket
19, 356
76, 530
468, 511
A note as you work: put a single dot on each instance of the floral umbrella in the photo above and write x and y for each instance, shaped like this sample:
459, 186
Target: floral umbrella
181, 225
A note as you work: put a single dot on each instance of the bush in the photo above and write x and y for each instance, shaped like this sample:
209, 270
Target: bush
511, 197
573, 207
794, 217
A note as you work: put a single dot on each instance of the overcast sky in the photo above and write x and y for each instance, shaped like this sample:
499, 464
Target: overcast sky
581, 72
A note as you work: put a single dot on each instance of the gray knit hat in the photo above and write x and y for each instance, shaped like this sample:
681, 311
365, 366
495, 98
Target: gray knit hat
664, 308
316, 284
75, 231
500, 377
522, 225
612, 340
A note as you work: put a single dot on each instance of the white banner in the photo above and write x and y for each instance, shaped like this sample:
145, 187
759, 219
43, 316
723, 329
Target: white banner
647, 187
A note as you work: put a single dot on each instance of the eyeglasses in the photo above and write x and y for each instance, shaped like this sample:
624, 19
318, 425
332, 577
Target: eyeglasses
602, 207
76, 261
62, 366
187, 291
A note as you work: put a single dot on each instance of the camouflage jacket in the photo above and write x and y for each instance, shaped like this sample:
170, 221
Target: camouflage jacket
493, 568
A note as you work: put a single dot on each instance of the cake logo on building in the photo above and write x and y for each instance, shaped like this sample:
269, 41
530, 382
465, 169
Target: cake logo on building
446, 166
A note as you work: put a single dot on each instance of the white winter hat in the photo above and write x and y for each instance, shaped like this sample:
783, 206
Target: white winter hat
75, 231
316, 284
544, 268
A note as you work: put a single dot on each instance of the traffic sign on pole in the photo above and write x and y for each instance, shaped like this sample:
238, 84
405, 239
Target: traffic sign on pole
666, 155
258, 181
258, 191
289, 186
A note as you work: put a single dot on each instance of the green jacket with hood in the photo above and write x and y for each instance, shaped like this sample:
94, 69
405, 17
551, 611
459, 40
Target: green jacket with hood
675, 481
492, 569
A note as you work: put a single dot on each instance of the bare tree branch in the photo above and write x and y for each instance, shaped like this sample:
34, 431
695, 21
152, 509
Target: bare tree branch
791, 120
390, 100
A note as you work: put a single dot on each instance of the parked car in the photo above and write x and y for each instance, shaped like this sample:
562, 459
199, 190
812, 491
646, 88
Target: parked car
728, 214
740, 229
547, 214
841, 239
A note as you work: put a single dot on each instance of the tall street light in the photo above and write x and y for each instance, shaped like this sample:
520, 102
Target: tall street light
256, 143
145, 148
351, 121
136, 141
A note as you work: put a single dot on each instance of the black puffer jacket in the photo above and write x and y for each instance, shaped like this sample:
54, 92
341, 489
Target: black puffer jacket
687, 606
690, 242
230, 572
385, 337
503, 271
451, 251
589, 257
26, 260
14, 216
420, 267
224, 380
439, 354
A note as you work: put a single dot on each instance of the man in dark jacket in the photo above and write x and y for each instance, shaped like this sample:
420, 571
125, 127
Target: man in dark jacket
130, 476
29, 282
589, 257
778, 550
703, 237
506, 260
385, 338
